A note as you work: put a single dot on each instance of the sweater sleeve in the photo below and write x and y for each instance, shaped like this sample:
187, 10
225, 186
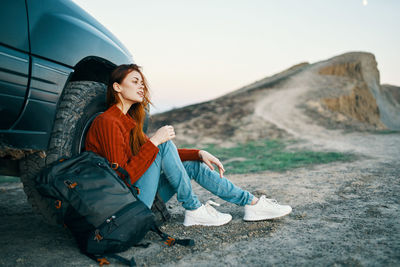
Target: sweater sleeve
188, 154
116, 149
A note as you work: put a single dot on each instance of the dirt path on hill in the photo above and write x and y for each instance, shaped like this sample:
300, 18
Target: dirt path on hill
281, 107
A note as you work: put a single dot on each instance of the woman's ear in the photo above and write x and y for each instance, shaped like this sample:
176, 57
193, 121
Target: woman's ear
117, 87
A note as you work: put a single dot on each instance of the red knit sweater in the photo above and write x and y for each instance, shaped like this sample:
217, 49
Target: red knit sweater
108, 136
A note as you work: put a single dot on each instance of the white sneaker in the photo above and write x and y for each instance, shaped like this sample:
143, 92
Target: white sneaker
206, 215
265, 209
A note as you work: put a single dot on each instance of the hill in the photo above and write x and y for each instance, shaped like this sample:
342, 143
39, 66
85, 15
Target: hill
342, 92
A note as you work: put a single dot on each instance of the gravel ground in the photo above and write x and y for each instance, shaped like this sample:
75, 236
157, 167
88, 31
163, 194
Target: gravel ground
343, 214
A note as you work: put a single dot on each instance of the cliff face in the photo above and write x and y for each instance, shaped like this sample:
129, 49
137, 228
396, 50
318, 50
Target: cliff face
361, 103
368, 101
389, 96
341, 92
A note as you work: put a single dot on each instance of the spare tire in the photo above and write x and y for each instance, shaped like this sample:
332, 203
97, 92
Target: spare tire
80, 103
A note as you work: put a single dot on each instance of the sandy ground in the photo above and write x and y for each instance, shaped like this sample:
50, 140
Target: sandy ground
343, 213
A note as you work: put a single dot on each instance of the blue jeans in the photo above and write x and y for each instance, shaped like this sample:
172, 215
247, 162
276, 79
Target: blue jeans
169, 175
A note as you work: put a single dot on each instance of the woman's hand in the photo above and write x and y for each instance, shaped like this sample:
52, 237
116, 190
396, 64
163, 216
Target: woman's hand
209, 159
162, 135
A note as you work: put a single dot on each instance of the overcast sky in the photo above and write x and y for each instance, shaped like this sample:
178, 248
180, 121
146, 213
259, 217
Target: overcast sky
192, 51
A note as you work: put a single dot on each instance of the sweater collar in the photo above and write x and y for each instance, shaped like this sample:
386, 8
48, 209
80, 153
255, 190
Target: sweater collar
127, 120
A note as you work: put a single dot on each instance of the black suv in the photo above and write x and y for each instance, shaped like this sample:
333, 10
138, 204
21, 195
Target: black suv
55, 61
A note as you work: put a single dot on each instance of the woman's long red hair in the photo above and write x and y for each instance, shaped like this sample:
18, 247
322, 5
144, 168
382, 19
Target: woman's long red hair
137, 111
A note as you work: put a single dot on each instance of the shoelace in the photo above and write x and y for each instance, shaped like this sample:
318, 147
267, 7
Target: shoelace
210, 208
271, 201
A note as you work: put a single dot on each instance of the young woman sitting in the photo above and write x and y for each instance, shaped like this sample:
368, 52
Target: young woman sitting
156, 164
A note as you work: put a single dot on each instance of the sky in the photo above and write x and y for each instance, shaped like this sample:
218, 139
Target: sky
193, 51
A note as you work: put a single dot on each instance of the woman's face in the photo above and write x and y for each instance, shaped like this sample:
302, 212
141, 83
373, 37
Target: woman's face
131, 88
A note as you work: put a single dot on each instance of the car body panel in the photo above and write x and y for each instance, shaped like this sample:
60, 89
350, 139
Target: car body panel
41, 105
14, 78
39, 50
14, 25
65, 33
14, 60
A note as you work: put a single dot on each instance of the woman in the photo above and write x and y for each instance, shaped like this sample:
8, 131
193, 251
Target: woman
155, 164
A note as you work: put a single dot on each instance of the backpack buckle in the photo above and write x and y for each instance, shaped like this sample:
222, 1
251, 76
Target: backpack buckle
137, 189
170, 241
103, 261
70, 185
57, 204
114, 166
97, 236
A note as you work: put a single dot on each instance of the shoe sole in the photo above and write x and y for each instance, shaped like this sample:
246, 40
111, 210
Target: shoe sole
267, 218
216, 224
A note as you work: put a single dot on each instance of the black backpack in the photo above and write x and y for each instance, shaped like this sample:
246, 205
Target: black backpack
100, 209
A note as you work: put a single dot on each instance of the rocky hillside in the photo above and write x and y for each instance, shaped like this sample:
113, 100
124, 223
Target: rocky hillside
343, 92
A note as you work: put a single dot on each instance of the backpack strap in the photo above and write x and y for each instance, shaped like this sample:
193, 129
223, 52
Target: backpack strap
102, 259
123, 260
115, 166
170, 241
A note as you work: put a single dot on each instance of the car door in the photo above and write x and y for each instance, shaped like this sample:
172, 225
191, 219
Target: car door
14, 60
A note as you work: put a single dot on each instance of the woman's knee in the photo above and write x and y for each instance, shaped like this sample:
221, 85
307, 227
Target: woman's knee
167, 143
166, 146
